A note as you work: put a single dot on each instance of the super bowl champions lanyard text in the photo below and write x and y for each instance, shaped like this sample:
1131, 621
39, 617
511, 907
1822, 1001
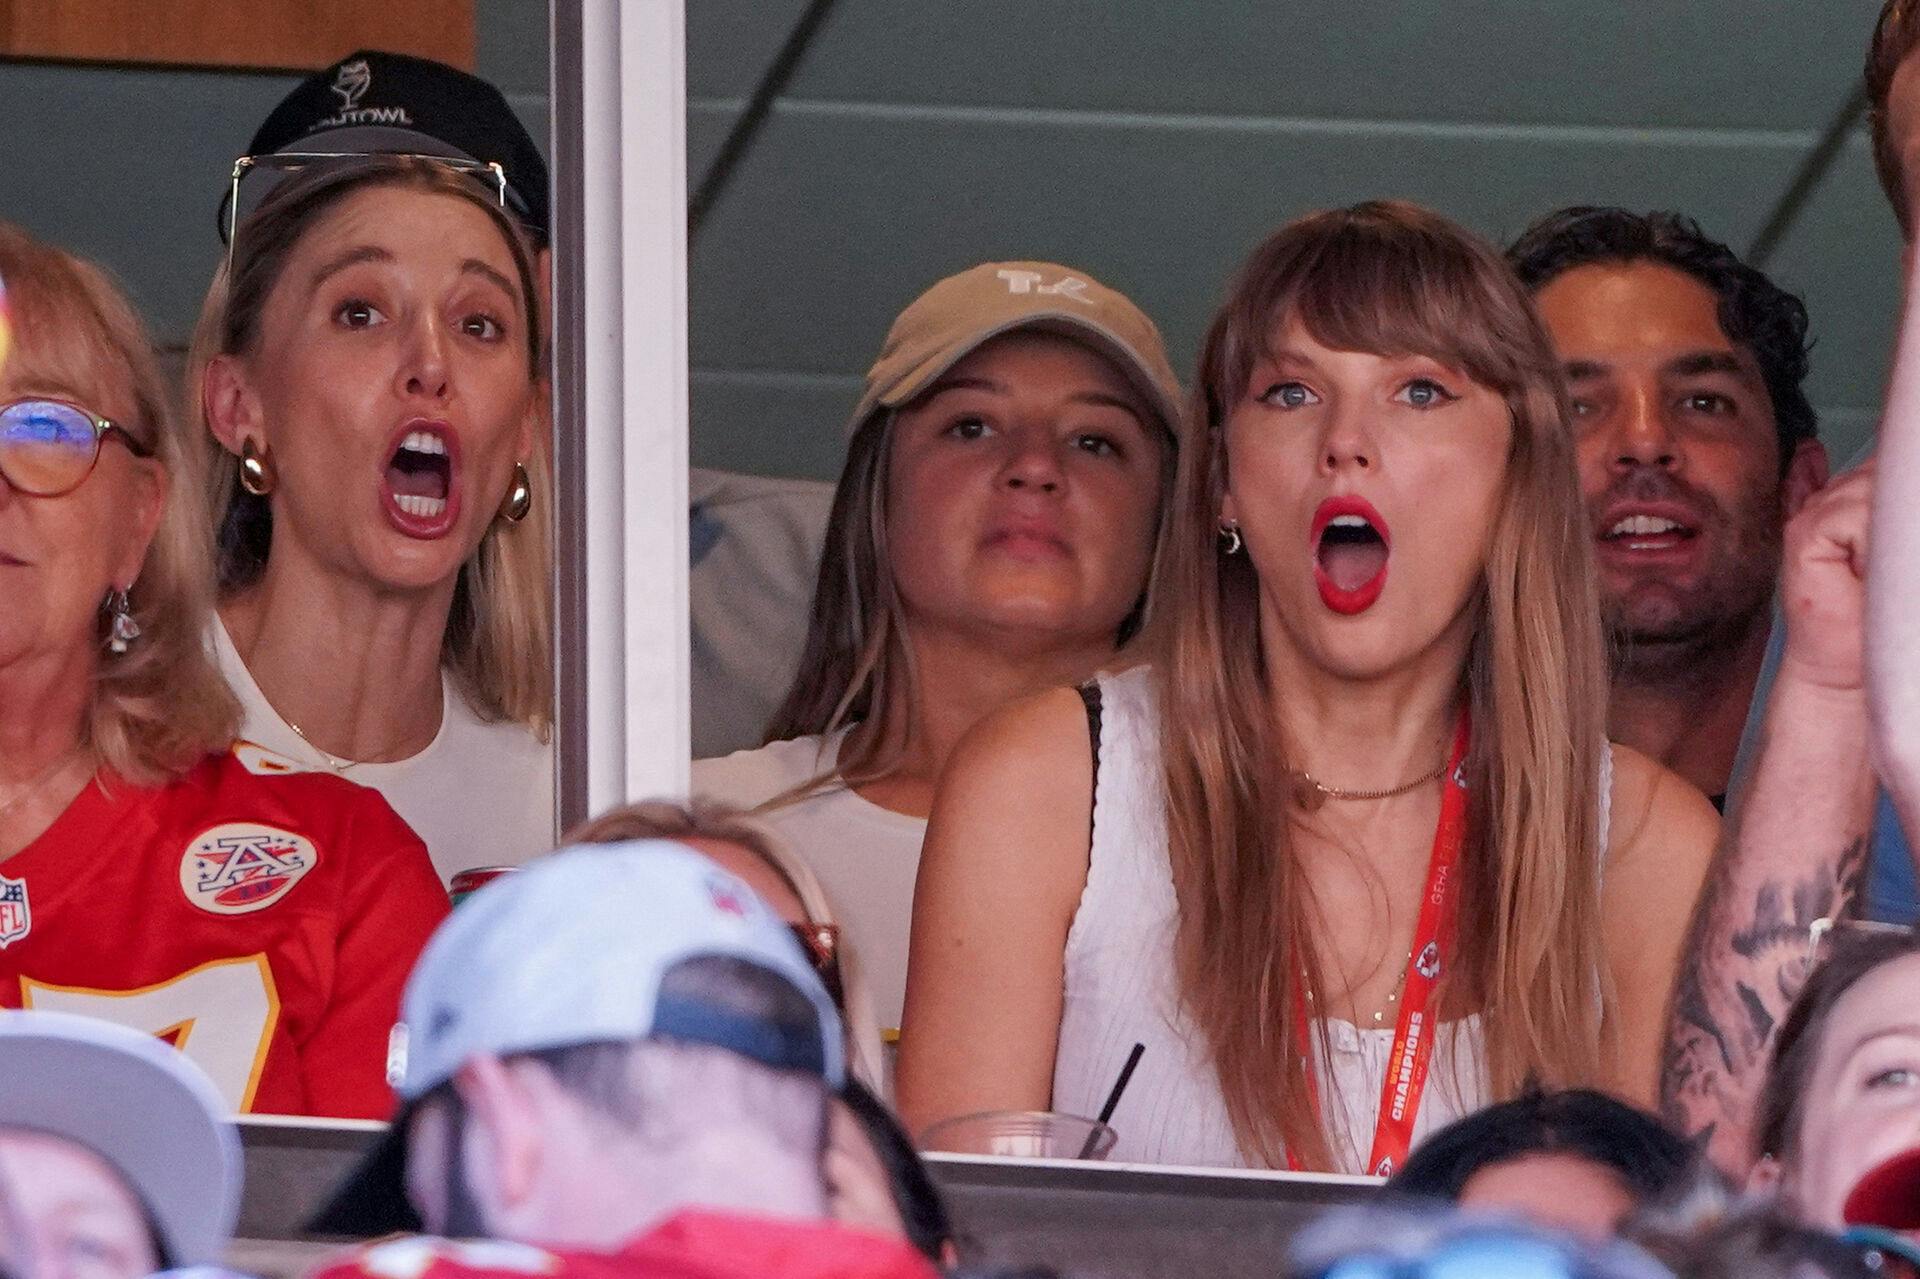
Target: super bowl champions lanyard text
1412, 1052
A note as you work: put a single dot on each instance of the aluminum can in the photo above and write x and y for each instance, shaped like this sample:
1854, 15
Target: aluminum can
469, 882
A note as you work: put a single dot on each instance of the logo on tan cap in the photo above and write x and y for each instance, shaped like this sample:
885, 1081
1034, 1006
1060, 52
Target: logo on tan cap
1070, 286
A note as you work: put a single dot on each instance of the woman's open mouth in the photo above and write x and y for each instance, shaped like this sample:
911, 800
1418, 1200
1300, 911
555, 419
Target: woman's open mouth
420, 485
1351, 546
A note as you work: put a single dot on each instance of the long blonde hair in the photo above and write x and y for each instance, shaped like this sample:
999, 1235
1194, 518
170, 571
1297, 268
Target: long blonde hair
1393, 279
499, 643
161, 706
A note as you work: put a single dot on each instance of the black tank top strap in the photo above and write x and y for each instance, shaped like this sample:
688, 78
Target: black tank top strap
1090, 698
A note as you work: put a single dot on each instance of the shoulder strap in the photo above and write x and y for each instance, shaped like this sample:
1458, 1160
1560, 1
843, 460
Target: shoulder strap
1090, 697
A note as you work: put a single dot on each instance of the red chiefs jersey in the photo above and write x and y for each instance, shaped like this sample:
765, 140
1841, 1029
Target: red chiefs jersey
265, 924
692, 1245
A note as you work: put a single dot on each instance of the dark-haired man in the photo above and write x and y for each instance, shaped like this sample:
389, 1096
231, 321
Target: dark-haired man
1696, 445
1705, 483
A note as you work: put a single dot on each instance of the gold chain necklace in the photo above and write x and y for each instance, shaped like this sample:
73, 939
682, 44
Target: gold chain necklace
1309, 793
337, 763
1393, 996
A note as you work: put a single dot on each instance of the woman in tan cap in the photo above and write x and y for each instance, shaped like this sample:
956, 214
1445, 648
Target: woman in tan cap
1337, 859
992, 535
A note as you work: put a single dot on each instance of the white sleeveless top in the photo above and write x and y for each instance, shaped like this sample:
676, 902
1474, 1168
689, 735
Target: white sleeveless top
1121, 989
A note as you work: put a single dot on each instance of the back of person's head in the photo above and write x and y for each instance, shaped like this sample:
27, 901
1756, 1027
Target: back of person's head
609, 1035
1707, 1233
666, 1124
719, 830
1895, 36
1820, 1125
1754, 312
1388, 279
1576, 1159
1402, 1241
922, 1209
160, 705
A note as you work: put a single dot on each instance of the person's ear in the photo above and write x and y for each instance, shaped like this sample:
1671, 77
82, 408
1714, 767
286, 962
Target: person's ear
1764, 1181
534, 432
230, 404
1807, 473
503, 1143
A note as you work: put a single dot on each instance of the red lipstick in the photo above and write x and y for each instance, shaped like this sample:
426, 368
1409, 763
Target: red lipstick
1351, 545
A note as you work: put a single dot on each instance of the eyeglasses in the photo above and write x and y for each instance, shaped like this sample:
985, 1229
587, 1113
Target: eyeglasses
49, 447
288, 163
822, 944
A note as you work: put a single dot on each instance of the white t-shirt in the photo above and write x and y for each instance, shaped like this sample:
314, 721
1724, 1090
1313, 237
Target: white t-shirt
480, 794
866, 856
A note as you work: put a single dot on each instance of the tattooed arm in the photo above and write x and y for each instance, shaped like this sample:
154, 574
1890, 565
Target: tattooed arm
1795, 849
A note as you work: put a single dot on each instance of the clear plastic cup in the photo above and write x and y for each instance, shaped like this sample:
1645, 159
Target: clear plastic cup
1021, 1134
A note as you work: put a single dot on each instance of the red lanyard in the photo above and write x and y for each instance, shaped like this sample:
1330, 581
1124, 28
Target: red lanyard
1412, 1052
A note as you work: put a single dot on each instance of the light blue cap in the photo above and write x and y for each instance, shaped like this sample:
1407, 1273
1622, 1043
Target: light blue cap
572, 949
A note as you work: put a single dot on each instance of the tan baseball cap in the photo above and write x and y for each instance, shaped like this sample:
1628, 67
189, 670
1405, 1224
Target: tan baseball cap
955, 317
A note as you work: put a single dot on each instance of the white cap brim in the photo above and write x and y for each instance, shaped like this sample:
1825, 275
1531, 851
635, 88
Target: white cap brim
138, 1104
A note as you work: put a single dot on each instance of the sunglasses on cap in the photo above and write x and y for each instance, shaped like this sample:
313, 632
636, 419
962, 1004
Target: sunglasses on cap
287, 163
822, 944
49, 447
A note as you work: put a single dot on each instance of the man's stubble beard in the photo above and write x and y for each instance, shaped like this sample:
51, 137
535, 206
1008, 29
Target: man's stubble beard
1681, 639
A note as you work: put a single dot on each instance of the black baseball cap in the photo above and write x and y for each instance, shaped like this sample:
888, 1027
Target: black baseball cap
371, 101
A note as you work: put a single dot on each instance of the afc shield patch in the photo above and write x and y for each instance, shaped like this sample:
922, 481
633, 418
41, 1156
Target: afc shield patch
16, 916
242, 867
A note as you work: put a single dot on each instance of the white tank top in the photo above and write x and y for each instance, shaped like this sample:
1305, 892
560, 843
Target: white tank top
1120, 987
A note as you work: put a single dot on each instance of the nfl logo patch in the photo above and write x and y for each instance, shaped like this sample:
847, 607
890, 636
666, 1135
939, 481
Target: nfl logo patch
16, 917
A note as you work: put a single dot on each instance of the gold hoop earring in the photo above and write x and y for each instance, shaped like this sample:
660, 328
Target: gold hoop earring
519, 499
256, 469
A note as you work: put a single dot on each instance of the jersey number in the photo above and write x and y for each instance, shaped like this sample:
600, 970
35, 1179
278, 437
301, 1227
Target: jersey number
221, 1015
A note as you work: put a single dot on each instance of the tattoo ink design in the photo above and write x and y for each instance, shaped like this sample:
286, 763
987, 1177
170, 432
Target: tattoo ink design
1744, 971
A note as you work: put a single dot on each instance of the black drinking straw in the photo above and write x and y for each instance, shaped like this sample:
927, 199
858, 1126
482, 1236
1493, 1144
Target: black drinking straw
1113, 1098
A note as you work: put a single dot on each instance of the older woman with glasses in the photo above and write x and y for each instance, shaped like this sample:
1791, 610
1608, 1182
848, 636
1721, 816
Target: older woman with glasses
149, 875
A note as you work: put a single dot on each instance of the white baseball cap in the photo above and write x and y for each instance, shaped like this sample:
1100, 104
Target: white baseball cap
574, 949
140, 1105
